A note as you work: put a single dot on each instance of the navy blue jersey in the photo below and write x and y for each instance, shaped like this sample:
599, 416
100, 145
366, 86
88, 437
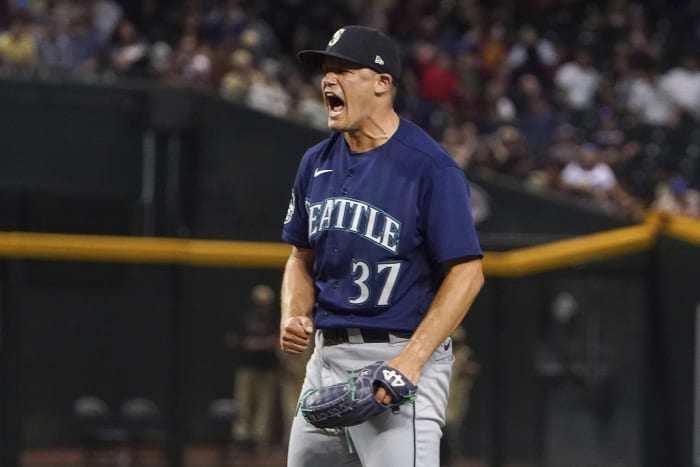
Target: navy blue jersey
380, 224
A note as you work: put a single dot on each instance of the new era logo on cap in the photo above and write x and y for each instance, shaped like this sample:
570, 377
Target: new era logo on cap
361, 45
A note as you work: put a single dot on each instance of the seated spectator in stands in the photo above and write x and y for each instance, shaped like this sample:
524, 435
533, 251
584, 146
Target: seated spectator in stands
237, 81
682, 84
128, 55
467, 99
493, 48
648, 102
607, 133
67, 11
83, 45
577, 81
536, 117
53, 48
267, 93
106, 17
563, 149
674, 195
17, 51
498, 107
160, 58
504, 152
532, 54
191, 61
593, 178
437, 82
587, 174
461, 142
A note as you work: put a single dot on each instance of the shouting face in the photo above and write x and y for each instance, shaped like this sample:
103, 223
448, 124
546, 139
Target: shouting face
348, 92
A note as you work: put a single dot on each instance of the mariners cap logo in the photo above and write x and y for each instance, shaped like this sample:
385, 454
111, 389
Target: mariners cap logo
336, 37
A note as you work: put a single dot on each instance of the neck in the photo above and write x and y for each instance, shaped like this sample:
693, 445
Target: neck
375, 131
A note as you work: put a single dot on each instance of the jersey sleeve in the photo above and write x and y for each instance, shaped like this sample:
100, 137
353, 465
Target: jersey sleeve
295, 228
449, 226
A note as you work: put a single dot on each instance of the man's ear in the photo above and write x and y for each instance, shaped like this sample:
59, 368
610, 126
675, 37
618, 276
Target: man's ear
383, 83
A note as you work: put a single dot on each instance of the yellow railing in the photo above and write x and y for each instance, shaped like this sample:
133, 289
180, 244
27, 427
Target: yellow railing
513, 263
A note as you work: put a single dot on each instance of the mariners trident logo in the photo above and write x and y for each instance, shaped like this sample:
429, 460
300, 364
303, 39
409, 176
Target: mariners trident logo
394, 378
336, 37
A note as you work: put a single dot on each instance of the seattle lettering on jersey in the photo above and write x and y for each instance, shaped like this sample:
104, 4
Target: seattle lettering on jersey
356, 217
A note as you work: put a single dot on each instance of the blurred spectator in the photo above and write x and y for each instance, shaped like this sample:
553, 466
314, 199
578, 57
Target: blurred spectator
53, 49
532, 54
225, 19
191, 61
438, 80
160, 58
461, 142
17, 51
590, 176
674, 195
468, 95
83, 45
128, 55
498, 106
536, 118
682, 85
106, 16
267, 94
648, 101
255, 342
505, 151
578, 81
67, 11
237, 81
608, 133
493, 49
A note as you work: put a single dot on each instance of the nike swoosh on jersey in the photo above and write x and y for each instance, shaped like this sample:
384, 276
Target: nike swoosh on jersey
318, 172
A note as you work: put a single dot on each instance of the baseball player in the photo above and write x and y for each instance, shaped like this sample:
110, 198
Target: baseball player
385, 260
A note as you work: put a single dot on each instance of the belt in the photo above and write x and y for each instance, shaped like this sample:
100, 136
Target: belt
334, 336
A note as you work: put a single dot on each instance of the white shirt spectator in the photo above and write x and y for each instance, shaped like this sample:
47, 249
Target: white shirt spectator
598, 178
652, 104
106, 16
683, 87
578, 84
269, 96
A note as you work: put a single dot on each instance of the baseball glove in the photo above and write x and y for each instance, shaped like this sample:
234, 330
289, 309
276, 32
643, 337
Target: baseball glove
353, 402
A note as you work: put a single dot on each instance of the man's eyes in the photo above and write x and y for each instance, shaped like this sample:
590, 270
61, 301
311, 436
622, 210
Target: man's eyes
338, 70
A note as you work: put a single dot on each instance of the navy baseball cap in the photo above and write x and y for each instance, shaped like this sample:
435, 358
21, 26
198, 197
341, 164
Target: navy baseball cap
364, 46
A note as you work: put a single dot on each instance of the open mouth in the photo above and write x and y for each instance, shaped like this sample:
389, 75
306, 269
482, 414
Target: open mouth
335, 104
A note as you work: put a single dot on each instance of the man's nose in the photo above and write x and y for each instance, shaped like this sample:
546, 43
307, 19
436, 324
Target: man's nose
329, 77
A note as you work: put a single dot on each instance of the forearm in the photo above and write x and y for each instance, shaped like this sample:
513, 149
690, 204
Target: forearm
297, 295
297, 301
452, 302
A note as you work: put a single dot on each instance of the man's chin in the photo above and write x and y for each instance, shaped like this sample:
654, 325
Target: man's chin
335, 125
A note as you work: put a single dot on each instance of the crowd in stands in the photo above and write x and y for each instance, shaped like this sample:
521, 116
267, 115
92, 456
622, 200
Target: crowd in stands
597, 98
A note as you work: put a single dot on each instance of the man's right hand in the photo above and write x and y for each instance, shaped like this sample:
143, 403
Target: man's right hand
295, 334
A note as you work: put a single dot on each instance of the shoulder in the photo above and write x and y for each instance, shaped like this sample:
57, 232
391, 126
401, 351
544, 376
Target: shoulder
420, 147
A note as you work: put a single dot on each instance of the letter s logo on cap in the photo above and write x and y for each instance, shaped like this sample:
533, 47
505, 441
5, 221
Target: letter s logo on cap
336, 36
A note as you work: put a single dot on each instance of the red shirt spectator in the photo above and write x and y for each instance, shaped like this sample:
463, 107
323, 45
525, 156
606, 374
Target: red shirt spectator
438, 81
